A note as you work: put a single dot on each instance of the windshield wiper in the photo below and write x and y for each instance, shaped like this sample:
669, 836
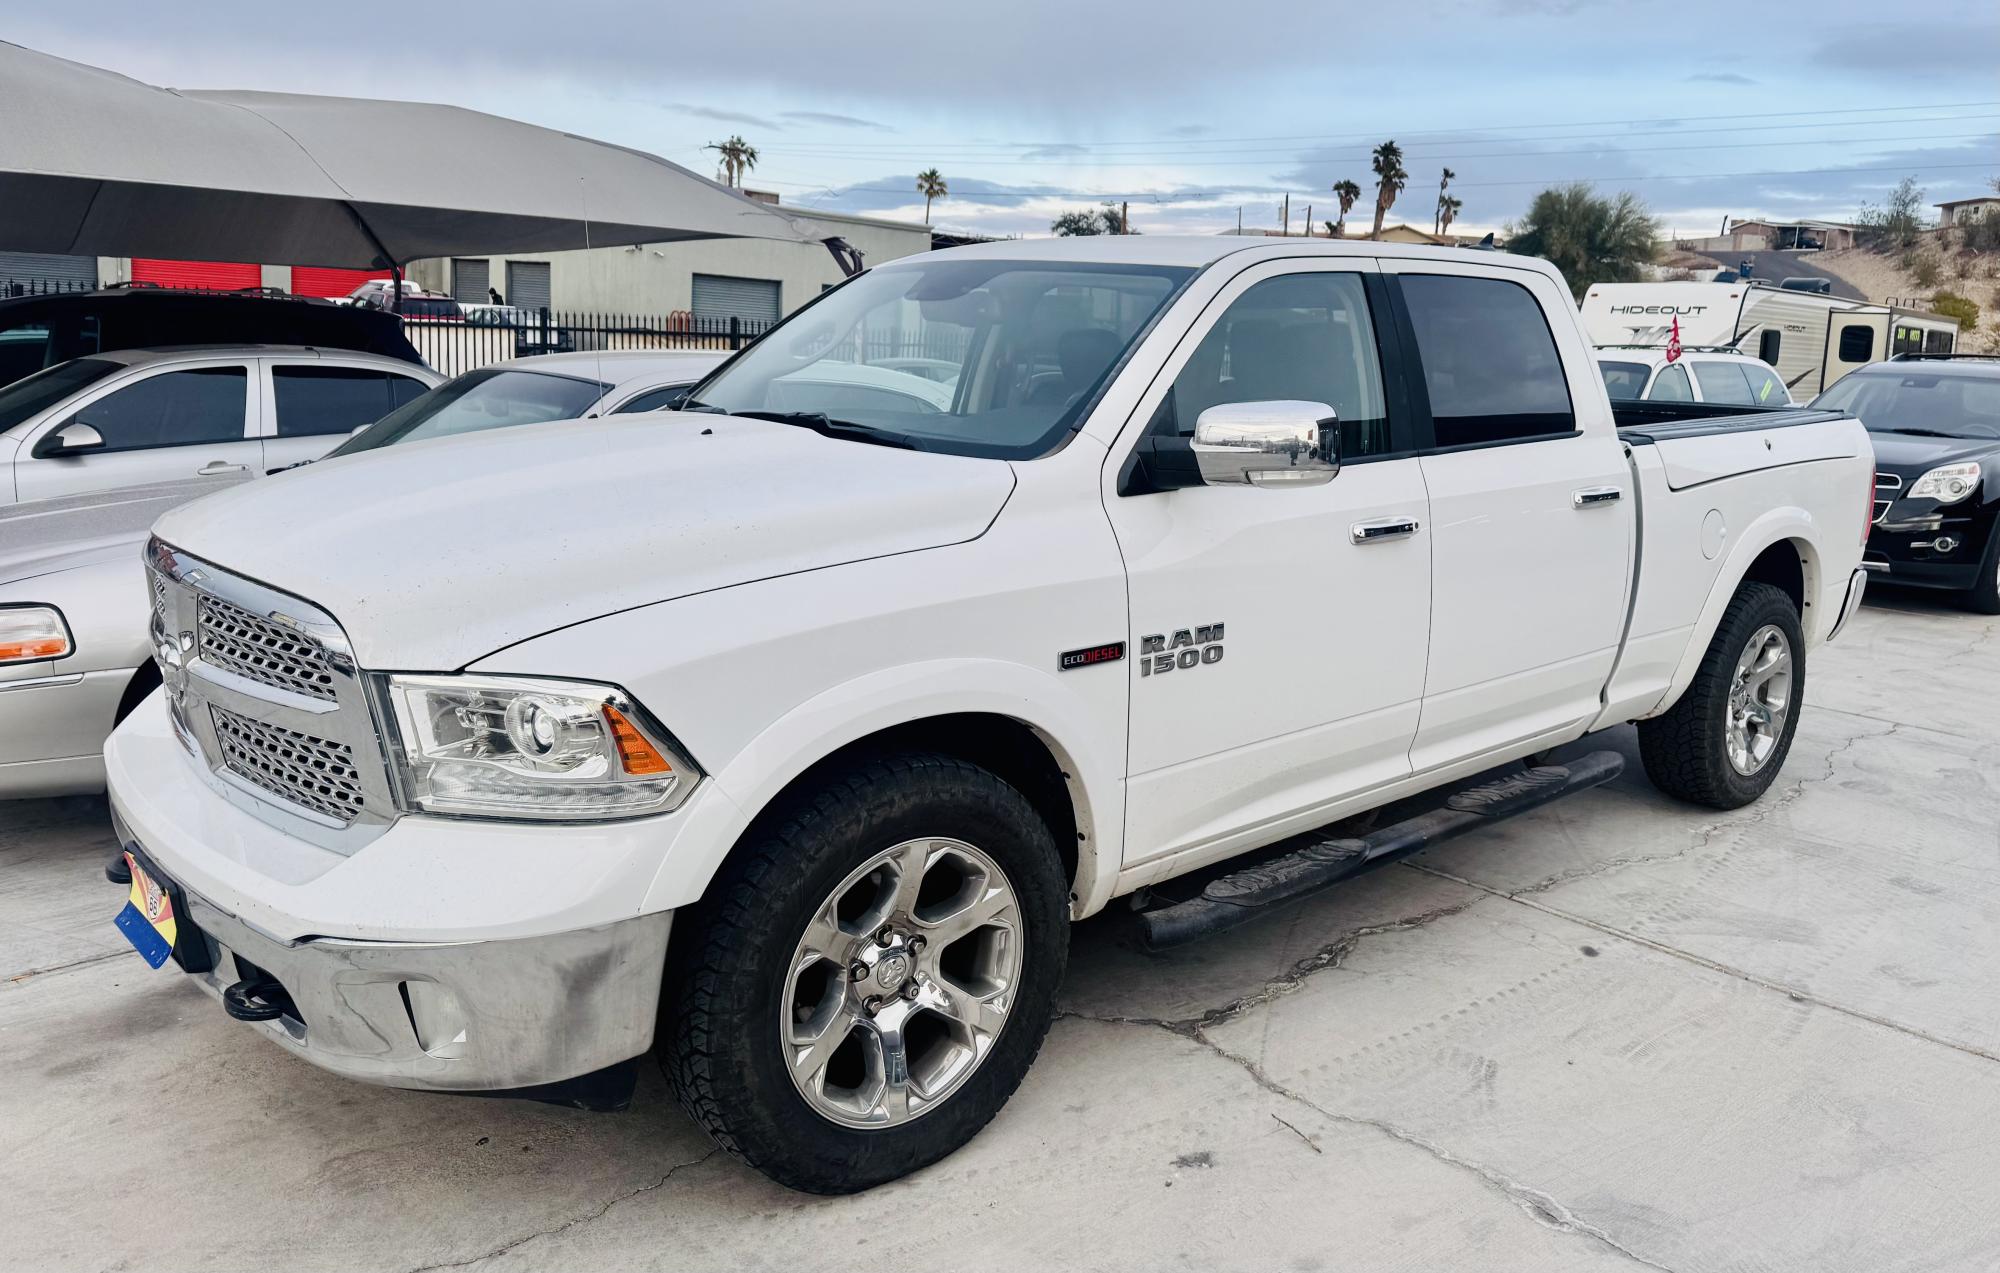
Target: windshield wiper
1922, 433
825, 425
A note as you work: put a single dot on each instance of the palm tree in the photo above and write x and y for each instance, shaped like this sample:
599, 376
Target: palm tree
1390, 178
1439, 222
738, 158
1348, 193
1589, 238
1448, 206
930, 184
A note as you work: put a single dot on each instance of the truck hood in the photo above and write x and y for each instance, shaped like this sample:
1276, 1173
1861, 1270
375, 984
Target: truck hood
433, 554
1908, 455
46, 535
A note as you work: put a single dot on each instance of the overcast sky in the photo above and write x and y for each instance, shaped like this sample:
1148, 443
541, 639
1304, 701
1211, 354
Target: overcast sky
1191, 109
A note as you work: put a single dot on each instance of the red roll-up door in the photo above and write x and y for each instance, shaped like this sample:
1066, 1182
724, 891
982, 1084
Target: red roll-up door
220, 276
320, 280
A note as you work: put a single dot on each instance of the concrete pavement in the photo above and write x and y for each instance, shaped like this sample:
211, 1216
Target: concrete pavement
1619, 1033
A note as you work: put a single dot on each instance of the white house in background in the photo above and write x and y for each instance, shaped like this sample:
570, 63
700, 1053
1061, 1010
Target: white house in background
1959, 211
756, 280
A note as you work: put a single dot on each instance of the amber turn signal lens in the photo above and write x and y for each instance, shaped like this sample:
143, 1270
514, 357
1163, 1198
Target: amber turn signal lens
637, 755
32, 632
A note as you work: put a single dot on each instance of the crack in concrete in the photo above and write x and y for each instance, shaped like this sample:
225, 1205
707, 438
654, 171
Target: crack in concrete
1706, 834
87, 960
597, 1214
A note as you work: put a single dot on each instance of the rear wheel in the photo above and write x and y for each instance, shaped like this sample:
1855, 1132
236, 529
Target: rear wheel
1723, 743
869, 979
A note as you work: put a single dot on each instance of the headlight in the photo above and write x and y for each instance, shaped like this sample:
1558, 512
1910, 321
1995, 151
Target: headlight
29, 634
1947, 484
507, 747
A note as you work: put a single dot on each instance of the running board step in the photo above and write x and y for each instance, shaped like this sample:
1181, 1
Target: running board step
1241, 896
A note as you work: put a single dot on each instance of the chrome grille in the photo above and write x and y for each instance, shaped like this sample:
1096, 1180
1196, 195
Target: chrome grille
314, 773
161, 603
237, 641
1886, 486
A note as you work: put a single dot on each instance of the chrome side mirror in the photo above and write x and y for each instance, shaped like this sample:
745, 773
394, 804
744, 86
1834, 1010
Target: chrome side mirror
1282, 443
73, 438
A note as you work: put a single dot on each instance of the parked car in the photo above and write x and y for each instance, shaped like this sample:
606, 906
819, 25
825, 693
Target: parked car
138, 416
379, 294
1644, 372
1935, 423
542, 389
74, 654
532, 335
795, 734
37, 332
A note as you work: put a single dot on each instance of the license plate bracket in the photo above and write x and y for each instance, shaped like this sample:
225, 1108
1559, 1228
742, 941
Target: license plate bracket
155, 918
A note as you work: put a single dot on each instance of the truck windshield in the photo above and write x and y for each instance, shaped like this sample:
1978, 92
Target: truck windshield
49, 386
970, 357
1926, 402
1625, 379
490, 398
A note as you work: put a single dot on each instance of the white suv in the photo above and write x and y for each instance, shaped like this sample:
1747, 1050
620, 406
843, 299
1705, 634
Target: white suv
1697, 375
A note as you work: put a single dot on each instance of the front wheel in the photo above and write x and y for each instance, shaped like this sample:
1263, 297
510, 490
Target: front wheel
869, 978
1984, 597
1722, 744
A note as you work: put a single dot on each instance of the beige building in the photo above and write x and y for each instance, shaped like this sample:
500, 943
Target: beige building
1959, 211
756, 280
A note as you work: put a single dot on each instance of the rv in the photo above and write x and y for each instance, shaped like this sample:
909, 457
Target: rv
1811, 339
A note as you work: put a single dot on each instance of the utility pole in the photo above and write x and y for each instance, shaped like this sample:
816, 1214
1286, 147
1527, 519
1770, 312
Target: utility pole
1309, 221
1239, 218
1124, 216
1285, 217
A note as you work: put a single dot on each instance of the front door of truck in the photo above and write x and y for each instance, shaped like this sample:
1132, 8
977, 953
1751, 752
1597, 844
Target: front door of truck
1531, 507
1277, 655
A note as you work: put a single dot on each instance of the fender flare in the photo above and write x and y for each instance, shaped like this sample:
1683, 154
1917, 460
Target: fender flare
881, 700
1779, 525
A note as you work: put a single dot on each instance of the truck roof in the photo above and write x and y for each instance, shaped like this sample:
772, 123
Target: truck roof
1199, 250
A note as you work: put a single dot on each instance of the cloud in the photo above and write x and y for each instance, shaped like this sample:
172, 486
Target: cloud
723, 116
1057, 150
832, 120
1721, 77
1898, 50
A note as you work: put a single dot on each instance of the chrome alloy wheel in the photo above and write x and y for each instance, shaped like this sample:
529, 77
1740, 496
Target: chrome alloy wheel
1760, 698
902, 982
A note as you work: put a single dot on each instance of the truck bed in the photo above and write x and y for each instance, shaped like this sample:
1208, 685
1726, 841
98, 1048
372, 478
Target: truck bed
1644, 422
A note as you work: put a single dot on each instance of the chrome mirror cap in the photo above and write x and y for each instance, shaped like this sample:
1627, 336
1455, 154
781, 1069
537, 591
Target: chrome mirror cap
1278, 443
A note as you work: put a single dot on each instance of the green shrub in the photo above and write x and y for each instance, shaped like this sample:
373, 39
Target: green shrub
1923, 267
1962, 308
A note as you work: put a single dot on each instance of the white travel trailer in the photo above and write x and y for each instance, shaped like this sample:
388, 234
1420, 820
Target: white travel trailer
1811, 339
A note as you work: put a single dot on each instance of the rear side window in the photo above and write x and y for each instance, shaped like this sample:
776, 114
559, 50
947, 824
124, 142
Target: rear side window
322, 400
175, 408
1765, 389
1671, 386
1857, 344
1723, 382
1489, 359
1624, 379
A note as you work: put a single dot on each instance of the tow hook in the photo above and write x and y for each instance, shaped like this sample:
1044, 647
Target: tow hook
258, 999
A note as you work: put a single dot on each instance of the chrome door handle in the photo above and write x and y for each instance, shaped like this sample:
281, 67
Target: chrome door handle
1377, 531
1592, 496
214, 467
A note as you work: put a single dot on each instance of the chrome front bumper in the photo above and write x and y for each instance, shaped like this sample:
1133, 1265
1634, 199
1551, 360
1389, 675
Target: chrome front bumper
1857, 587
448, 1016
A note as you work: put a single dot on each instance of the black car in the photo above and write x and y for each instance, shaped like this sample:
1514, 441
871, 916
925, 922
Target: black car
1935, 423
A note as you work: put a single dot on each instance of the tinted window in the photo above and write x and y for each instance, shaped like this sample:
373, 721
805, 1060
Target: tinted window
1768, 345
175, 408
403, 389
490, 398
665, 398
1961, 404
318, 400
1672, 386
1937, 342
45, 388
1766, 390
1723, 382
1857, 344
1303, 337
1489, 360
1624, 379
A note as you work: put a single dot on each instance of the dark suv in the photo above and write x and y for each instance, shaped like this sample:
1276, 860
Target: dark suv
1935, 423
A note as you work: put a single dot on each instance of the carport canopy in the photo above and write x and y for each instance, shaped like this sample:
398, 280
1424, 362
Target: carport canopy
96, 163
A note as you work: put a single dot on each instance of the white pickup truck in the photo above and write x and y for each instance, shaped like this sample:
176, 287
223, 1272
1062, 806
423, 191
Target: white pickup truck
790, 731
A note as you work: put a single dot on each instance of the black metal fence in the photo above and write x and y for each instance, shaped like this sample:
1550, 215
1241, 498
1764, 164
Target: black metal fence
11, 287
481, 336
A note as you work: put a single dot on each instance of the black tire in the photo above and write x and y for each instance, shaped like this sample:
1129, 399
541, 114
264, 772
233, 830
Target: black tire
1984, 597
1683, 749
721, 1047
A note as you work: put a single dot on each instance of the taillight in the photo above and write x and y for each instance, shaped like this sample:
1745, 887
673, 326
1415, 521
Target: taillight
1868, 510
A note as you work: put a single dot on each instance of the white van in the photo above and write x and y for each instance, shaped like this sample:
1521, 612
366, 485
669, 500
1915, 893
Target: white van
1810, 340
1697, 375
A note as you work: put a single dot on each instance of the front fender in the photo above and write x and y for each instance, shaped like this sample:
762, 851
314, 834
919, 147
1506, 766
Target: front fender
869, 704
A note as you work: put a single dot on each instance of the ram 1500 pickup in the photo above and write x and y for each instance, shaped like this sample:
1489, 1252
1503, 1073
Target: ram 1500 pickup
786, 734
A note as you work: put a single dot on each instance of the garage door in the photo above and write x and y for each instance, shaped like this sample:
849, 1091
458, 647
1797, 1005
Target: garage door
718, 296
528, 284
318, 280
33, 271
219, 276
470, 277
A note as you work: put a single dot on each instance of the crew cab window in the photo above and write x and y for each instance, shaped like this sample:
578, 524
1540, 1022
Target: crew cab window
1723, 382
1304, 337
1671, 385
1624, 379
312, 401
175, 408
1489, 359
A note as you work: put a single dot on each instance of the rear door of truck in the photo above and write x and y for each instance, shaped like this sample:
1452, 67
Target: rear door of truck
1532, 522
